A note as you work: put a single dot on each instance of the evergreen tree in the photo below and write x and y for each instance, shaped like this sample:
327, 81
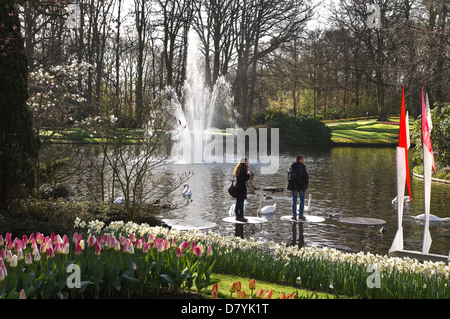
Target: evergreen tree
18, 143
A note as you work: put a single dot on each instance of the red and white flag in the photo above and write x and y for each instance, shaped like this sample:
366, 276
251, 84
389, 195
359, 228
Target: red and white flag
426, 127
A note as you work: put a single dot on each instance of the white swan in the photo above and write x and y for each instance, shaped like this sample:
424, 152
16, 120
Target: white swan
187, 192
405, 200
119, 200
306, 208
433, 218
269, 209
233, 207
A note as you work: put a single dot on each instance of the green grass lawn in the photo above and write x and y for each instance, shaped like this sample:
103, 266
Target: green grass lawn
365, 132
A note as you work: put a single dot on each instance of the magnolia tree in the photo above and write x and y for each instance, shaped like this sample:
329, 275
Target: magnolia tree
53, 100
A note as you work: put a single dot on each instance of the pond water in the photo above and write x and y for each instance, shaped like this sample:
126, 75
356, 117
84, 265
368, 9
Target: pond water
351, 182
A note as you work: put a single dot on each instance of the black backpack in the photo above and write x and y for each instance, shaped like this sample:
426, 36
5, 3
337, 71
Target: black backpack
291, 178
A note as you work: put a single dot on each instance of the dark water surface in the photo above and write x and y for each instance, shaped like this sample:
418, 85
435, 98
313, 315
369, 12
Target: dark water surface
351, 182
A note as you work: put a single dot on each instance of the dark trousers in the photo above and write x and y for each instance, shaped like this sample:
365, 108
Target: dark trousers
239, 209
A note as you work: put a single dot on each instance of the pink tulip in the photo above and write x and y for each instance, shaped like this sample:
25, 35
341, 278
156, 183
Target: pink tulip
146, 247
78, 250
209, 251
29, 259
91, 240
22, 294
132, 237
151, 238
66, 248
50, 253
184, 245
2, 241
166, 244
58, 248
3, 254
24, 240
198, 251
98, 250
179, 252
20, 254
39, 238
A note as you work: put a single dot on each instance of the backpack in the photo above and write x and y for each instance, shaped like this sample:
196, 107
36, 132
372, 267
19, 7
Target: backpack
291, 175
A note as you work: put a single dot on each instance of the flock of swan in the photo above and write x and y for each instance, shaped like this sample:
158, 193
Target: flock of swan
270, 209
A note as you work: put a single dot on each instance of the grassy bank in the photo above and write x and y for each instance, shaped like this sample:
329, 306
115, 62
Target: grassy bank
364, 132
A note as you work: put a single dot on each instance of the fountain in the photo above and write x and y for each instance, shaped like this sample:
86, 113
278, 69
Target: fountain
199, 111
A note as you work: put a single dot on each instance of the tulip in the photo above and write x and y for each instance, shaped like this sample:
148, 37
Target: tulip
130, 249
22, 294
184, 245
268, 294
58, 248
28, 260
132, 237
36, 254
20, 254
50, 253
3, 274
78, 250
283, 296
215, 289
209, 251
2, 241
24, 240
17, 244
291, 296
198, 251
117, 246
66, 248
179, 252
13, 263
252, 284
151, 238
98, 250
235, 286
91, 240
240, 294
166, 244
146, 247
174, 242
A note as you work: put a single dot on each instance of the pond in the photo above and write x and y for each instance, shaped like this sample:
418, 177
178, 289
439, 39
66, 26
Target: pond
345, 181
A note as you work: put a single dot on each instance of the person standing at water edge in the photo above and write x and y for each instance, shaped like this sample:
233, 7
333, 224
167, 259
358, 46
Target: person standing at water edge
298, 180
242, 176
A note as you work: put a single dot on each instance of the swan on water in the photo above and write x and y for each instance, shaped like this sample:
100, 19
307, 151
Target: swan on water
433, 218
306, 208
233, 207
187, 192
405, 200
268, 209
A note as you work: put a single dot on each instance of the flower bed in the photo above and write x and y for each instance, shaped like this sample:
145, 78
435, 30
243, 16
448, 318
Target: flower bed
126, 259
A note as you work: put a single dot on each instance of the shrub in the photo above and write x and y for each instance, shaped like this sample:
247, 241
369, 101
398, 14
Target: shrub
296, 131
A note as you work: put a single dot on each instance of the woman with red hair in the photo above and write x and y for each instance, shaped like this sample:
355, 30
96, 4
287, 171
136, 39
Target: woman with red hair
242, 176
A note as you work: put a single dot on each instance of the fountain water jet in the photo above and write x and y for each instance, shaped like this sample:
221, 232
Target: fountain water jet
198, 111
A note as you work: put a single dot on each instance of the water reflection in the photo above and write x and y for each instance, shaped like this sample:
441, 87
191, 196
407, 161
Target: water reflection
350, 182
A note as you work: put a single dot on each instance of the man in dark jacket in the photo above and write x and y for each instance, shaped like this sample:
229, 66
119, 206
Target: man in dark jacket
298, 180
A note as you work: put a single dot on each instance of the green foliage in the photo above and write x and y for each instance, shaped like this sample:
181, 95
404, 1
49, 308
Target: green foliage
296, 131
18, 144
440, 139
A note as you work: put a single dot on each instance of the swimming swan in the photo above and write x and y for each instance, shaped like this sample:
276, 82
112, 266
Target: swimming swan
231, 211
433, 218
306, 208
269, 209
187, 192
405, 200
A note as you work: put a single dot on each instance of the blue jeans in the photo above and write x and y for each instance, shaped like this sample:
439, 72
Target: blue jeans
295, 194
